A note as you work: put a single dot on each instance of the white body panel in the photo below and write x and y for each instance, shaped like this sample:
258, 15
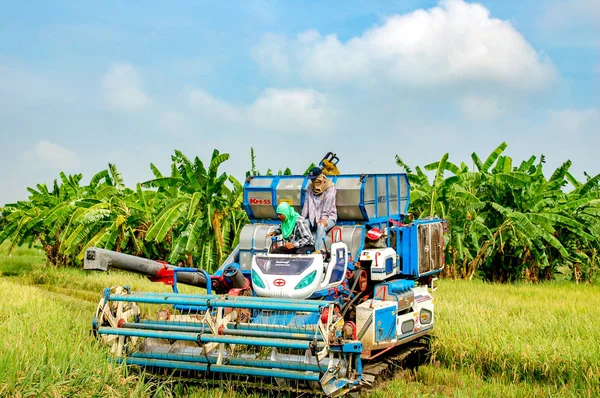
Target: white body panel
381, 259
374, 317
278, 282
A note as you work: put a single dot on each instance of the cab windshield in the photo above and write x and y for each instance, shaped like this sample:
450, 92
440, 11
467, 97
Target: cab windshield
283, 265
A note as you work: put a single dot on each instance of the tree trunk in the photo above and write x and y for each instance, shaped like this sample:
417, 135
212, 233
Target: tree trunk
479, 257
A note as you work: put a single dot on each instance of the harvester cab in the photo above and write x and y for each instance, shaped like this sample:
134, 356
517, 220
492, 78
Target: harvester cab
328, 324
299, 276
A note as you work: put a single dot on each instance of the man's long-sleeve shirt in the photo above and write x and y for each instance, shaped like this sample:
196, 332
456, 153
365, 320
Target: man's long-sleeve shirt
318, 207
301, 235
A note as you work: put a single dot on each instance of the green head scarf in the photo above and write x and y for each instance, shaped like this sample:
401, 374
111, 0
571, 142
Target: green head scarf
287, 226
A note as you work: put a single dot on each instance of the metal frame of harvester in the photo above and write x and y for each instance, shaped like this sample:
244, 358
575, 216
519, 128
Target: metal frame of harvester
325, 322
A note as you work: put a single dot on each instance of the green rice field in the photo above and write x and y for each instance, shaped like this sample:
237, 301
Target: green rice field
490, 340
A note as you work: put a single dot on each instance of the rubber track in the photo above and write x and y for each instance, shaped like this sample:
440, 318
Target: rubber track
384, 368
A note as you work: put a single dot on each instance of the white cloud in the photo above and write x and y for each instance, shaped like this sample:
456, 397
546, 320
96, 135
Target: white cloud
122, 90
274, 110
212, 107
478, 108
575, 121
300, 110
270, 53
45, 154
453, 43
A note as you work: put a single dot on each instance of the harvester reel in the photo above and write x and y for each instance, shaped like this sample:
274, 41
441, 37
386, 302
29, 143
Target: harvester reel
114, 314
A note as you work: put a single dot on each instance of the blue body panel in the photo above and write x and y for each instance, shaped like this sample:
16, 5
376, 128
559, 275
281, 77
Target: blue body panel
385, 323
389, 265
400, 286
393, 288
338, 268
407, 246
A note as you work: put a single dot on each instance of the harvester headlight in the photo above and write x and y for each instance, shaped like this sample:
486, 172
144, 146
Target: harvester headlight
307, 280
256, 281
407, 326
426, 317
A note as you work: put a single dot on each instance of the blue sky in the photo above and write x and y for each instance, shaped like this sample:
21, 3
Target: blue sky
86, 83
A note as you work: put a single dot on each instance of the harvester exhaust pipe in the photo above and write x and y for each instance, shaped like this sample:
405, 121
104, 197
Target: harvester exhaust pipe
101, 259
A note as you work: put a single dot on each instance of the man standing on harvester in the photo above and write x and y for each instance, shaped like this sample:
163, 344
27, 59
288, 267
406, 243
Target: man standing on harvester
319, 206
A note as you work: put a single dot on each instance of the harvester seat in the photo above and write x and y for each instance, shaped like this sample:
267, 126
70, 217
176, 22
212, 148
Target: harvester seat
351, 235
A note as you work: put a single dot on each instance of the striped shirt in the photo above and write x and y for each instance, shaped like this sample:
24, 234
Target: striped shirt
301, 235
318, 207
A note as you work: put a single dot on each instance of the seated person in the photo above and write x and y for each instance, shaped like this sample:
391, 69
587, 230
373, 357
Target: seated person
319, 206
295, 231
375, 239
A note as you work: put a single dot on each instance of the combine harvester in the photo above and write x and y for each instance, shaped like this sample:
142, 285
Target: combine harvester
330, 323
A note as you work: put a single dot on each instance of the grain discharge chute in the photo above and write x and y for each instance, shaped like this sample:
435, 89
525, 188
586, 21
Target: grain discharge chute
329, 323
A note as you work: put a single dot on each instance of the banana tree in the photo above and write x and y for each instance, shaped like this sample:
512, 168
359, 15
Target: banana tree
194, 211
510, 222
44, 217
